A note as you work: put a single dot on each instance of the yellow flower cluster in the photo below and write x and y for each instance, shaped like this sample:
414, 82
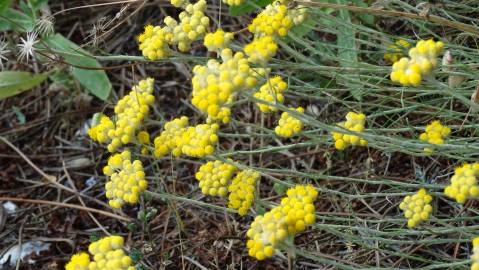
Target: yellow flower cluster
354, 122
179, 138
396, 50
273, 20
126, 179
242, 191
130, 112
107, 254
261, 50
422, 59
435, 134
155, 40
475, 254
464, 183
215, 177
417, 208
79, 261
217, 41
144, 138
272, 92
290, 217
289, 125
167, 141
215, 85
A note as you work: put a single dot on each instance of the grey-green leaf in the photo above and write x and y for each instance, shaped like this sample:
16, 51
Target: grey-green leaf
94, 80
16, 82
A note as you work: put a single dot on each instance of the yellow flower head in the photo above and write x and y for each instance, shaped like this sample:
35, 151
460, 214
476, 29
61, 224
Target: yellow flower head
199, 141
153, 42
261, 50
421, 61
217, 41
475, 254
143, 137
435, 133
289, 125
272, 92
79, 261
192, 25
130, 112
354, 122
290, 217
215, 177
417, 208
215, 86
273, 20
396, 50
242, 191
168, 139
464, 183
126, 179
108, 254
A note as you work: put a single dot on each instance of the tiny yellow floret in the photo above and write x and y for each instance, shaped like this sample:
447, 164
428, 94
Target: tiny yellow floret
475, 254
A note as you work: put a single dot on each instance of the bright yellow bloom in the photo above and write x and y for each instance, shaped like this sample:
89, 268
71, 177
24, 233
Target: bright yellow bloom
199, 141
475, 254
295, 212
261, 50
215, 86
144, 138
217, 41
179, 3
108, 254
417, 208
435, 134
354, 122
215, 177
273, 20
396, 50
79, 261
126, 180
130, 112
289, 125
464, 183
272, 92
242, 191
421, 61
167, 141
153, 42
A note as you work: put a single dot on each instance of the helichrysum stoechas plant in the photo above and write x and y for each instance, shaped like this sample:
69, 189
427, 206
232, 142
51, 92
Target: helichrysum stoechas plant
126, 179
287, 219
107, 254
217, 41
261, 50
464, 183
215, 177
289, 125
242, 191
129, 114
396, 50
475, 254
421, 61
271, 92
417, 208
354, 122
167, 141
79, 261
215, 85
435, 133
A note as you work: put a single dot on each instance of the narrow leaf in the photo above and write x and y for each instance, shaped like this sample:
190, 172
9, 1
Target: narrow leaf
94, 80
15, 82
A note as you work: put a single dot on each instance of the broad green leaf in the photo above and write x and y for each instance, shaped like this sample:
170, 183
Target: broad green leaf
15, 82
4, 5
347, 53
15, 20
94, 80
248, 6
